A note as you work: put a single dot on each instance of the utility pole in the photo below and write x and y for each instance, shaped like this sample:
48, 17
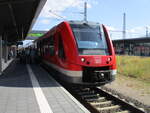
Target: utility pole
85, 11
124, 31
146, 31
124, 26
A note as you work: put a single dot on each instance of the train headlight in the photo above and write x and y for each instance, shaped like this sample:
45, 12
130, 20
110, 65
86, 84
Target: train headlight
109, 59
83, 59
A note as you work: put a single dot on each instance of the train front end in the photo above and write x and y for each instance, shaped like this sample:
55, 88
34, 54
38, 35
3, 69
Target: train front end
96, 55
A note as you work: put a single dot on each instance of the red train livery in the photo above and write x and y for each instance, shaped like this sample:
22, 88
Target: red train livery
81, 51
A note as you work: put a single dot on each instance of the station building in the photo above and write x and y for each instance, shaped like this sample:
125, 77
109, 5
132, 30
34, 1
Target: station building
134, 46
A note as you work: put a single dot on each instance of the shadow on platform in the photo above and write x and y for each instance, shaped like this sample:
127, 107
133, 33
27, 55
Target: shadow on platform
16, 75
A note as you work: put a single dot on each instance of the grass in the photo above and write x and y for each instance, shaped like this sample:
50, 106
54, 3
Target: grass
135, 67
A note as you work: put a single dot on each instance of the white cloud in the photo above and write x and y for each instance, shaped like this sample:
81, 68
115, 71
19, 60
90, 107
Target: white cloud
89, 5
148, 26
45, 21
53, 9
110, 28
57, 6
136, 30
46, 29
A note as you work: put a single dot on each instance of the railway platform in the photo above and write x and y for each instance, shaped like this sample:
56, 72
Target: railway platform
6, 64
28, 88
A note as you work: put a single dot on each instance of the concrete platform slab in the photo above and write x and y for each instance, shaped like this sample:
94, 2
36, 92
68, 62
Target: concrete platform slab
17, 94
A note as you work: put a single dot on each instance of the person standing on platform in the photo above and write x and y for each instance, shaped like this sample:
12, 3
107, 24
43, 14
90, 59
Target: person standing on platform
27, 54
32, 55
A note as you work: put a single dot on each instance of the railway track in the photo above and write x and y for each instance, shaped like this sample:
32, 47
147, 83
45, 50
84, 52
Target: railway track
100, 101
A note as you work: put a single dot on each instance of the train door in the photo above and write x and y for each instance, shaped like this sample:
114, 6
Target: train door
46, 48
61, 51
51, 48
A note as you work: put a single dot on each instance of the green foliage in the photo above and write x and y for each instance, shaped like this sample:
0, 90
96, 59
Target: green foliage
134, 66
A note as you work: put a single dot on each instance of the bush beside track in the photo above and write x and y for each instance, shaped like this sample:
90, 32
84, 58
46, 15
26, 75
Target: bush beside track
134, 66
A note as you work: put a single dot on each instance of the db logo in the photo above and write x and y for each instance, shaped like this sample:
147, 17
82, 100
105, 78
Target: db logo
98, 60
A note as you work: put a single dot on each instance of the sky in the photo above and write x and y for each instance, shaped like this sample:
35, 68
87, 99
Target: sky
107, 12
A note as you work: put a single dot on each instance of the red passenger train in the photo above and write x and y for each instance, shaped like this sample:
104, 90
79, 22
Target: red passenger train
81, 51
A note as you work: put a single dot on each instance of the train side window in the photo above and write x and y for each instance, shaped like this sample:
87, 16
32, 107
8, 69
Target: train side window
46, 50
61, 52
51, 46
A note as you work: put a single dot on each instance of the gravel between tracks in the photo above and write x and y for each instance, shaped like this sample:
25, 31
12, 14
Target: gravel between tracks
132, 90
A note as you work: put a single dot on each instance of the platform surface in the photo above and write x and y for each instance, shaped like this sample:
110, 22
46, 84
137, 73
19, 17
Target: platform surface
30, 89
6, 64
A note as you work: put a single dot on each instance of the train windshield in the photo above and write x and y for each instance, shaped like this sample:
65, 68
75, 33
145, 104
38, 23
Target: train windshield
90, 39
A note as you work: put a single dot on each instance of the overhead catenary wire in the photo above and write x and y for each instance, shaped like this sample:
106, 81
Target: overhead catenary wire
84, 13
57, 15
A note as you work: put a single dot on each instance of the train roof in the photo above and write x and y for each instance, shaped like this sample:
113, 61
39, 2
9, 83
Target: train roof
84, 22
70, 22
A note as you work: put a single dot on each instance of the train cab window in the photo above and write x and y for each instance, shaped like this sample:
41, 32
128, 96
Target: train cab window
61, 52
90, 39
51, 45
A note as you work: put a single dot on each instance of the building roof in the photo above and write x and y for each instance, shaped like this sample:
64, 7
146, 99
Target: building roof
134, 40
18, 17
